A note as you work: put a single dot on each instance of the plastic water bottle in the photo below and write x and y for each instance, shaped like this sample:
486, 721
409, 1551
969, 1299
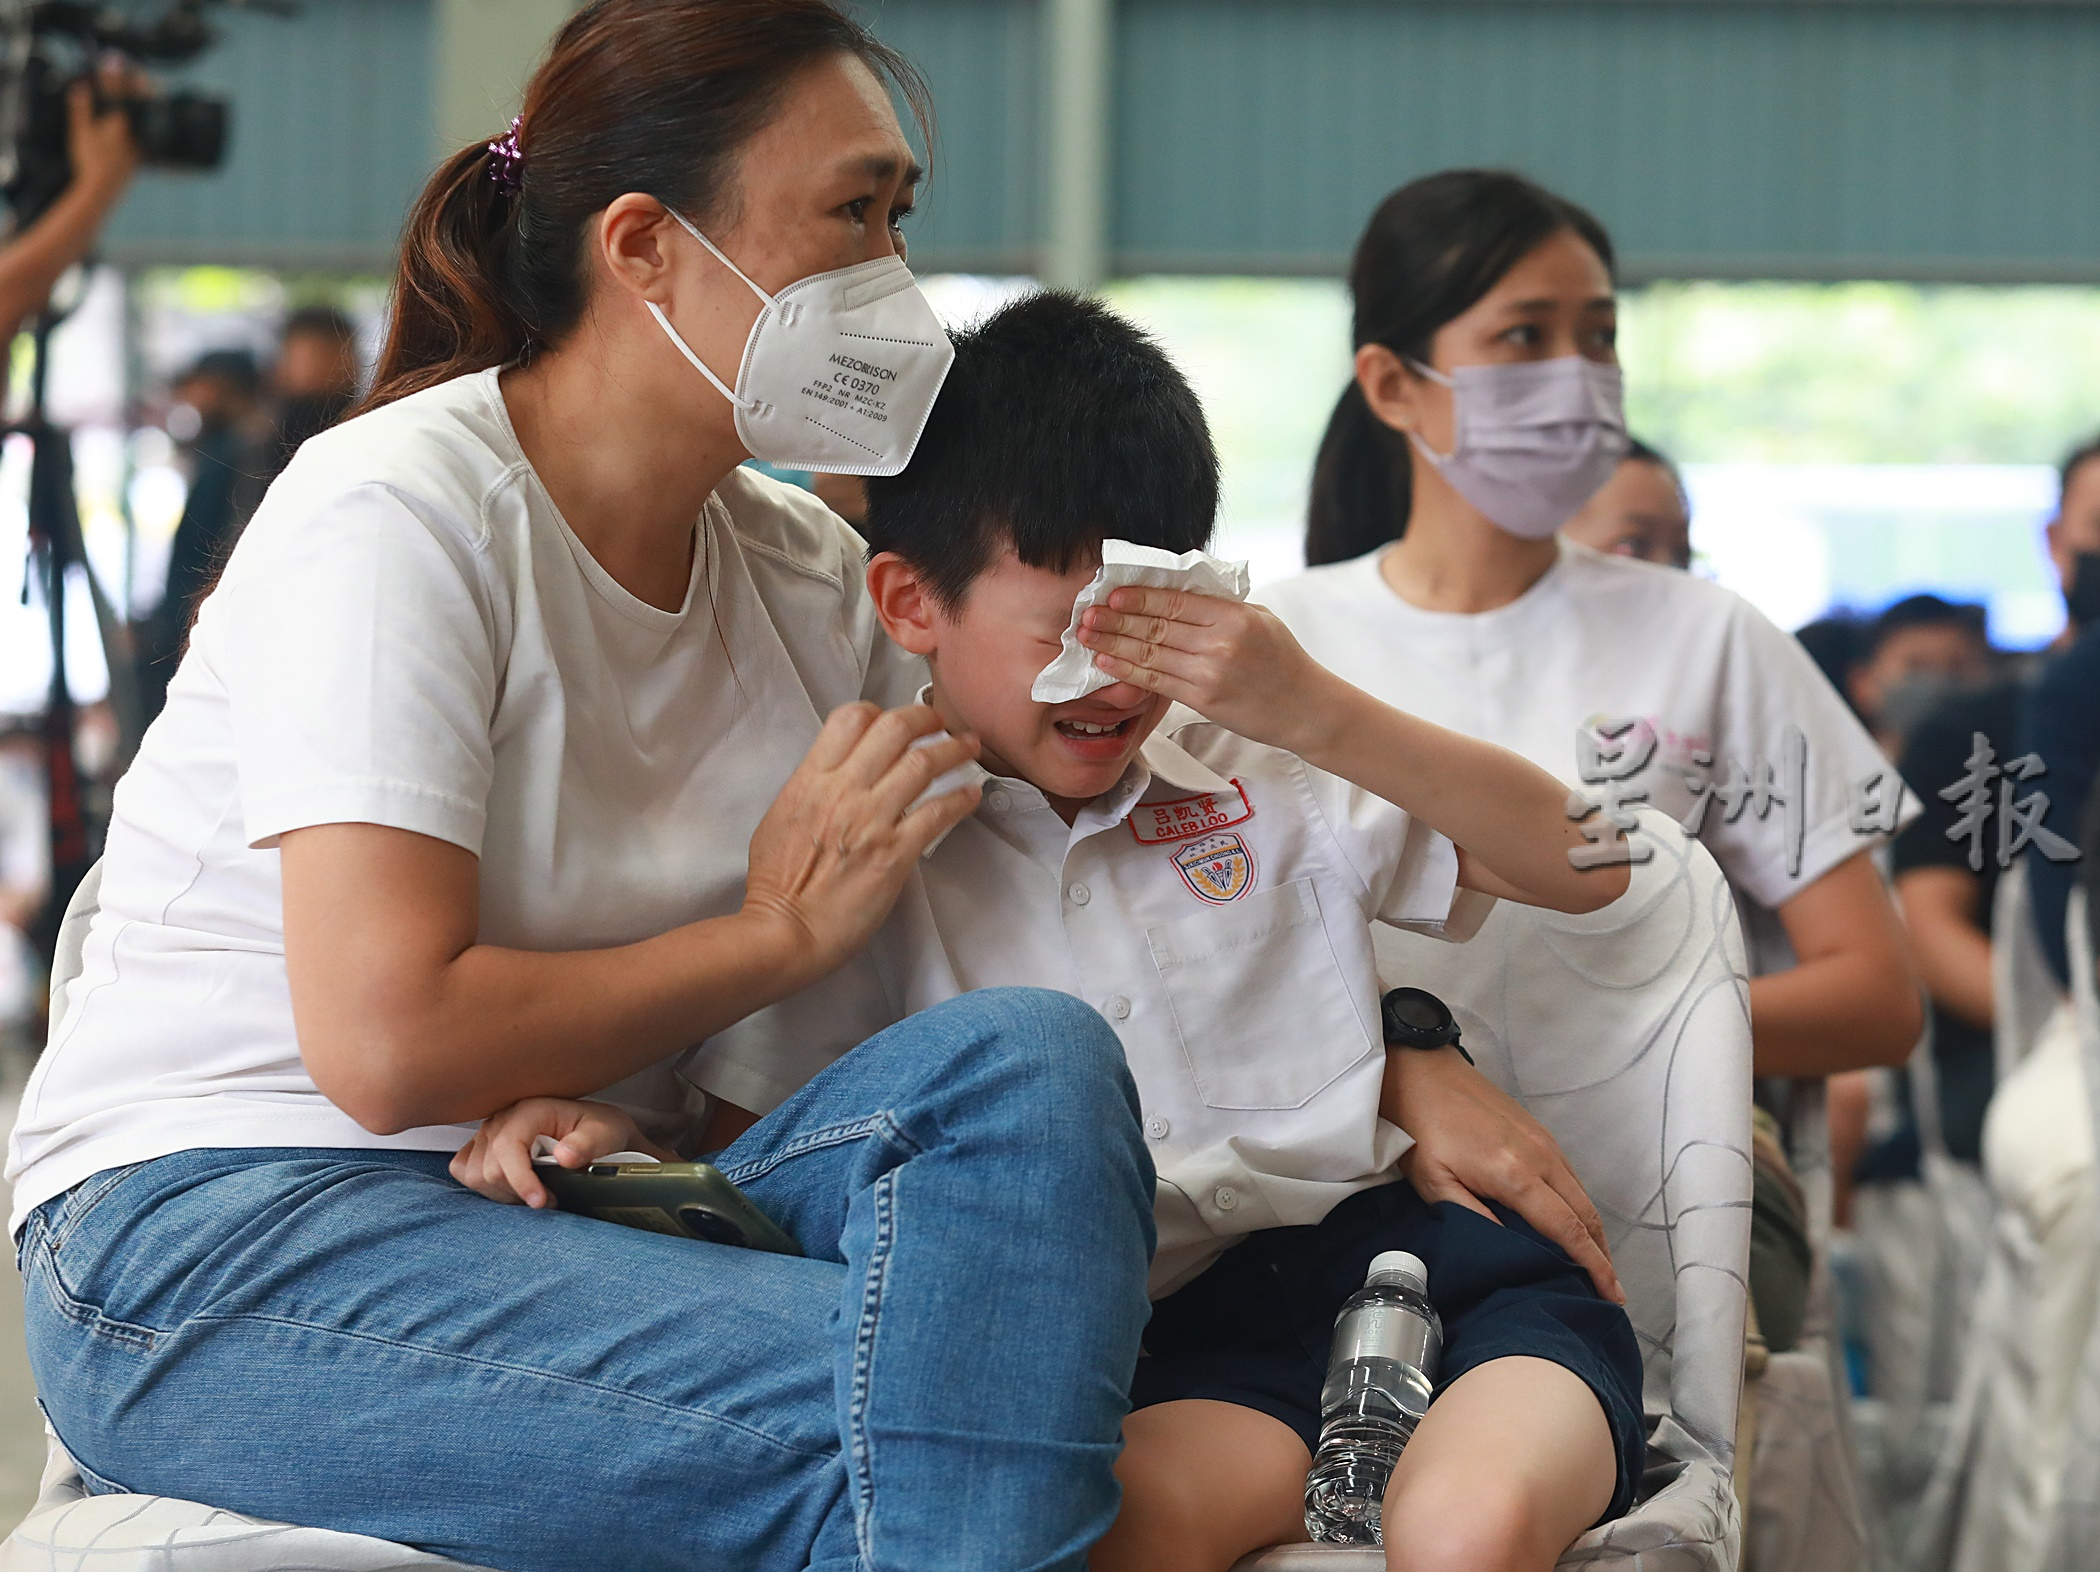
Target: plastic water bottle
1387, 1342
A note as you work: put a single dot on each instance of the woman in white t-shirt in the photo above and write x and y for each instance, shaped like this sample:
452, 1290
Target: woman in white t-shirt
1484, 411
498, 767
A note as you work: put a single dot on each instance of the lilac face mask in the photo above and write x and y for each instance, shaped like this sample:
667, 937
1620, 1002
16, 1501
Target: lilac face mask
1532, 441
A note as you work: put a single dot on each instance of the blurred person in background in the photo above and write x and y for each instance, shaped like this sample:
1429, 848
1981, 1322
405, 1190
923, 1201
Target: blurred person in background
25, 875
1643, 511
315, 380
104, 157
1439, 581
1919, 650
217, 417
2062, 717
1834, 641
1919, 653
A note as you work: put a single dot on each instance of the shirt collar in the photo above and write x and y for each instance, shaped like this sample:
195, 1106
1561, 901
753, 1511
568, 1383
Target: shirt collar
1160, 758
1171, 762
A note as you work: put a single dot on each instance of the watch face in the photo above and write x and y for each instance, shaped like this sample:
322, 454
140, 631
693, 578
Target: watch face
1416, 1018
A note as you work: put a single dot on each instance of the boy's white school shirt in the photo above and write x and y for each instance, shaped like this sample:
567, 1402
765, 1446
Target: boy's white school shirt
1216, 908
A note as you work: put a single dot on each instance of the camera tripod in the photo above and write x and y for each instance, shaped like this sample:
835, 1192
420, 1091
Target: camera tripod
56, 549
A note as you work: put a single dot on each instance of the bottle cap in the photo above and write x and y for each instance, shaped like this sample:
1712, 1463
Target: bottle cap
1399, 1264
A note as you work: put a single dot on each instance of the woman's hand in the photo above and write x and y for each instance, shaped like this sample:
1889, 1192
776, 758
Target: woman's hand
1231, 662
1475, 1144
497, 1163
832, 853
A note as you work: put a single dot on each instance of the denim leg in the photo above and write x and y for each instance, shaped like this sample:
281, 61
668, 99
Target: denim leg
347, 1339
350, 1340
981, 1173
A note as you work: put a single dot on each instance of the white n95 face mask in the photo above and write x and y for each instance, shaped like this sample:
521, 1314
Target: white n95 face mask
840, 370
1532, 441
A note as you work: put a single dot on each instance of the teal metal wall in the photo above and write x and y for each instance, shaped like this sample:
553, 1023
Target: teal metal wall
1802, 140
1789, 139
1784, 138
982, 60
332, 138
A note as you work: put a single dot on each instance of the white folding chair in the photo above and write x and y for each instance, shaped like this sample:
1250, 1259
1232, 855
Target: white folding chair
69, 1530
1627, 1033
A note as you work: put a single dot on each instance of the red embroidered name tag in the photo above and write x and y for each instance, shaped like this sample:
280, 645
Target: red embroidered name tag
1156, 822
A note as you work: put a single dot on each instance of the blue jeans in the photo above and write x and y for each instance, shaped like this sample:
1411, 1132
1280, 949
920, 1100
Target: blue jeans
349, 1340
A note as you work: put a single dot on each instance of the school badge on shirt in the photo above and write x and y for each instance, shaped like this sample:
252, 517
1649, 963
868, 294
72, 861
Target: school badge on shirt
1218, 868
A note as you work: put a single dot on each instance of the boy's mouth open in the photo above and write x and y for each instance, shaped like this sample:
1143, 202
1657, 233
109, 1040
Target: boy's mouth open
1096, 737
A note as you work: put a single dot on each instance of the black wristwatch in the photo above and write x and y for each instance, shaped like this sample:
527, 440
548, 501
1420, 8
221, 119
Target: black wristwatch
1417, 1018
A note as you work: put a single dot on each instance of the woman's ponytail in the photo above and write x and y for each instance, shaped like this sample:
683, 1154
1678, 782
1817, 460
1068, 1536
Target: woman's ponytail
653, 96
451, 314
1429, 253
1360, 487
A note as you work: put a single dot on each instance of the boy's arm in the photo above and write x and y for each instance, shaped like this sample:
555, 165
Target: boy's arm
1238, 665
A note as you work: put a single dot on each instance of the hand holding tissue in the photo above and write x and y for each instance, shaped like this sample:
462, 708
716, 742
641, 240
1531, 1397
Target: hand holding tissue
1073, 675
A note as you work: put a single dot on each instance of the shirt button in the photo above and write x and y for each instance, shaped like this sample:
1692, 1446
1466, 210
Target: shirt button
1158, 1128
998, 802
1080, 894
1227, 1198
1119, 1008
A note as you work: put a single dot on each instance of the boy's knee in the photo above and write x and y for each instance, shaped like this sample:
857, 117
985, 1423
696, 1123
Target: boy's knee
1051, 1043
1488, 1530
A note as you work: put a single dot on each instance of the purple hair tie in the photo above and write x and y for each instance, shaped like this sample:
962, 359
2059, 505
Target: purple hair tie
507, 160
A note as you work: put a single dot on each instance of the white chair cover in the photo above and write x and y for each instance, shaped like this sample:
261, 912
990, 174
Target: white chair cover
1985, 1509
1807, 1505
1627, 1033
2023, 989
2074, 1533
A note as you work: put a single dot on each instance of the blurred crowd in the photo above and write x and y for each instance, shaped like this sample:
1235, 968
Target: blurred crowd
236, 422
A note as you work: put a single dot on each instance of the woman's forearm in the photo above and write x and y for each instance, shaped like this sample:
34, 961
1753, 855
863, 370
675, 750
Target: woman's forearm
1508, 817
31, 265
405, 1020
1839, 1013
1851, 1000
1953, 953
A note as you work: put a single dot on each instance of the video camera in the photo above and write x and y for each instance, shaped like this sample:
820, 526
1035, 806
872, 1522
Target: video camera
47, 45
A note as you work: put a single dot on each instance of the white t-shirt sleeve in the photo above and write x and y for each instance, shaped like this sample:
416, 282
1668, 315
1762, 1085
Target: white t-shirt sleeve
358, 647
1409, 870
1772, 698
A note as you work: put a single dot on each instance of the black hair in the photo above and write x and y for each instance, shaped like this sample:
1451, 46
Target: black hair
1060, 426
1431, 251
234, 367
1836, 642
2085, 451
1639, 452
319, 322
1923, 611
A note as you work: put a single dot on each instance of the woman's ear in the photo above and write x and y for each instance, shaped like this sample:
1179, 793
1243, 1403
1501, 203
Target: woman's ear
1390, 387
630, 235
904, 603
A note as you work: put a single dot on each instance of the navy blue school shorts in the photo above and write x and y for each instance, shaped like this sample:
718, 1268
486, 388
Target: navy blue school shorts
1254, 1329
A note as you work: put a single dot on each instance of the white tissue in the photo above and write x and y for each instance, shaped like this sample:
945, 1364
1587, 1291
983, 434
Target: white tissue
1073, 675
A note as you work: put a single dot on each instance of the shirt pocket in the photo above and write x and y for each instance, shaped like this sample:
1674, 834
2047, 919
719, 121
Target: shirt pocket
1259, 1000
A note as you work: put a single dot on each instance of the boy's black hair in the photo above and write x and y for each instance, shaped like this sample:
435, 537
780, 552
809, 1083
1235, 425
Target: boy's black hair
1060, 426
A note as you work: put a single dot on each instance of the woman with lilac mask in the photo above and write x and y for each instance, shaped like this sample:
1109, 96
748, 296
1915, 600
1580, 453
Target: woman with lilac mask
1485, 409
